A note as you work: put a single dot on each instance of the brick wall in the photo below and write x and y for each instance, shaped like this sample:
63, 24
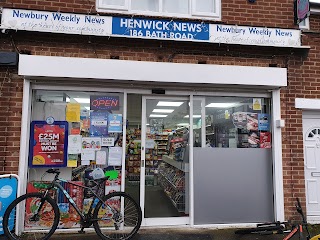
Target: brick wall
10, 119
269, 13
302, 72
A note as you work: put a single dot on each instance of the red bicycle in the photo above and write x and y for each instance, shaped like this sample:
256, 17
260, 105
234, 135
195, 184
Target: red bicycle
280, 227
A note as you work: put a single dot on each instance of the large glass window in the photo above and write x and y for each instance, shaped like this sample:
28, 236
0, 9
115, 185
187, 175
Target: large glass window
81, 134
235, 122
209, 9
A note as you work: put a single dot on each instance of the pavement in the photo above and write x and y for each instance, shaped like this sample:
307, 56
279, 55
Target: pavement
181, 234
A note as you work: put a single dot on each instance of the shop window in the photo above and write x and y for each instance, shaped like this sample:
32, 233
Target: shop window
204, 9
79, 133
233, 122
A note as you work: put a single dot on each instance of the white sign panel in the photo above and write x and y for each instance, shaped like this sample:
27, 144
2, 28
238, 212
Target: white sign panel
56, 22
134, 27
254, 36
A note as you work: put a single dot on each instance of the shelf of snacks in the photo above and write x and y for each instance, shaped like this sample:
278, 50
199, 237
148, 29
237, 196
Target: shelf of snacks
133, 156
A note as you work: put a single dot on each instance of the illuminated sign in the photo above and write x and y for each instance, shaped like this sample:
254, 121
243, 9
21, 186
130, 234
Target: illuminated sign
104, 103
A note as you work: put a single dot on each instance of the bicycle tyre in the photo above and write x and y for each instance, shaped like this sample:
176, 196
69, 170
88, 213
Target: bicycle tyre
257, 229
35, 198
108, 228
317, 237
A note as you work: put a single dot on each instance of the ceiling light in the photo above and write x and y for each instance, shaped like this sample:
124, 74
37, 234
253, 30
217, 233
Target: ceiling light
169, 104
220, 105
194, 116
157, 116
82, 100
163, 110
183, 124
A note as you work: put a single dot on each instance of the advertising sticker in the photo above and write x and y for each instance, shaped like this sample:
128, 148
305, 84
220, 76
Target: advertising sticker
48, 144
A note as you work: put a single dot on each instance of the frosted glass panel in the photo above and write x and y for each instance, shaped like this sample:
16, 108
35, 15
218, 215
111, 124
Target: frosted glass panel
205, 6
145, 5
176, 6
114, 2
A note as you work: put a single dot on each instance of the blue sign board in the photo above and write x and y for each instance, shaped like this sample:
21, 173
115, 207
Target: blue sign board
263, 122
160, 29
8, 193
114, 123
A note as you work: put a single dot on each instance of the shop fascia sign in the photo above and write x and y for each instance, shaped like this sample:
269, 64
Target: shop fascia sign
69, 23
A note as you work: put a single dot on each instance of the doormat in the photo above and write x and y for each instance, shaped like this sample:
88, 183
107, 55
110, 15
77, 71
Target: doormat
172, 236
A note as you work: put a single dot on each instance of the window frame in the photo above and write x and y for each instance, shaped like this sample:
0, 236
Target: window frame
112, 7
305, 24
193, 14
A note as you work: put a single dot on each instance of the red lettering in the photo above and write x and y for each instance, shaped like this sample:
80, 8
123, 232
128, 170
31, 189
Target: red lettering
101, 102
95, 103
98, 103
107, 104
114, 103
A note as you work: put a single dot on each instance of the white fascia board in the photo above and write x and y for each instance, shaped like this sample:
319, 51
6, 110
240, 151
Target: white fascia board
307, 103
88, 68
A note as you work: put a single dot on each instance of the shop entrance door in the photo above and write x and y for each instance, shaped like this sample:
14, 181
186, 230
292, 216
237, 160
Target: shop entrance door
311, 133
164, 195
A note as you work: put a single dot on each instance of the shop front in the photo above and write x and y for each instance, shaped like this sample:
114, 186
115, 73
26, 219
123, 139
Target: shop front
190, 150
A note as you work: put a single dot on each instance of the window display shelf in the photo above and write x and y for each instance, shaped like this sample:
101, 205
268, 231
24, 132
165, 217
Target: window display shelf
179, 165
179, 204
179, 187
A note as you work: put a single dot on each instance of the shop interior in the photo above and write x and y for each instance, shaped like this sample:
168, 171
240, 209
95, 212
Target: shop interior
230, 122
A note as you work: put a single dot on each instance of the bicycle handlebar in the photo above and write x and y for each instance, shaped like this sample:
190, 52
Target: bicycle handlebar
299, 208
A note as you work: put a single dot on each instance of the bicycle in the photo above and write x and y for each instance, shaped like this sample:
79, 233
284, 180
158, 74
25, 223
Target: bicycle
279, 227
115, 215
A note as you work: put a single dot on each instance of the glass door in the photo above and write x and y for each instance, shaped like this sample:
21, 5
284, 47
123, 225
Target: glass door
164, 184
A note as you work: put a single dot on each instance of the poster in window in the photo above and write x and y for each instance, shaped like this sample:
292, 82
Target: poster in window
264, 121
115, 123
73, 112
48, 144
254, 139
252, 122
265, 140
98, 123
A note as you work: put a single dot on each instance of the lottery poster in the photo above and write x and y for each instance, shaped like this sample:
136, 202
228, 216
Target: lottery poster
48, 144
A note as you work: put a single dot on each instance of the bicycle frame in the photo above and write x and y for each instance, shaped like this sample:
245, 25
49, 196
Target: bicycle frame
56, 183
298, 228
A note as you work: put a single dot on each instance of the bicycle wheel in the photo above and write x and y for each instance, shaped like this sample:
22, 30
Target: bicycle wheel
39, 224
317, 237
117, 217
258, 229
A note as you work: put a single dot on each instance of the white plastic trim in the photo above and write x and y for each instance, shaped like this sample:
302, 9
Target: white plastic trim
277, 158
307, 103
88, 68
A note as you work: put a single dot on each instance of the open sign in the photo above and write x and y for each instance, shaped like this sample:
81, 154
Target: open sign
104, 103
